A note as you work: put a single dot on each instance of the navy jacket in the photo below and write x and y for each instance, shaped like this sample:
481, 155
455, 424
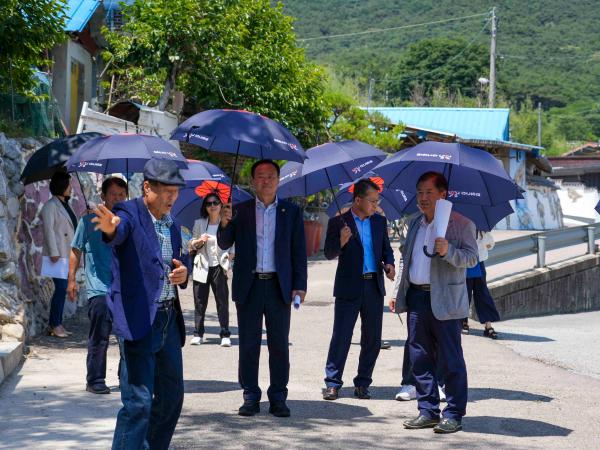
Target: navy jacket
290, 248
138, 274
348, 277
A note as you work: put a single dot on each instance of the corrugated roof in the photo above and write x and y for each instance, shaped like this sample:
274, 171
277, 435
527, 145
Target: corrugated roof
467, 123
79, 13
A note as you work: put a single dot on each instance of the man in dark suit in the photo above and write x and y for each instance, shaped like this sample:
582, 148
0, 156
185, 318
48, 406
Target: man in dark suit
146, 268
359, 239
269, 271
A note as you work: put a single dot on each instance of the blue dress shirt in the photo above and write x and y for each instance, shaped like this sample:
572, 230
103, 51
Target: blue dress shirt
265, 236
364, 230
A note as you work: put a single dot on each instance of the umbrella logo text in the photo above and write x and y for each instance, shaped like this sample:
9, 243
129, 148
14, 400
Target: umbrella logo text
161, 152
442, 156
358, 169
89, 163
456, 194
200, 136
289, 175
289, 144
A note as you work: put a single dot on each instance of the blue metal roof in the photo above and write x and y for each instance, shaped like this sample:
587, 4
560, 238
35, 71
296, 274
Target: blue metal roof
467, 123
79, 13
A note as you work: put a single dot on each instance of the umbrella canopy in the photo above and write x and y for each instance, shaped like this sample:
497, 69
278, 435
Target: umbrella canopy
187, 207
393, 202
203, 170
474, 176
123, 153
597, 207
51, 157
328, 165
240, 132
396, 202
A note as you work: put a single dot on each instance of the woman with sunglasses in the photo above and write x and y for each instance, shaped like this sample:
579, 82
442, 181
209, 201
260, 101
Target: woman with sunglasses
211, 264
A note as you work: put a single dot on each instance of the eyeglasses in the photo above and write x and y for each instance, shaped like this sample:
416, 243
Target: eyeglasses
215, 203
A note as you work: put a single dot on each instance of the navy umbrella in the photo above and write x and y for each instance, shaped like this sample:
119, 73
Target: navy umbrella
597, 207
122, 153
474, 176
51, 157
328, 165
396, 202
203, 178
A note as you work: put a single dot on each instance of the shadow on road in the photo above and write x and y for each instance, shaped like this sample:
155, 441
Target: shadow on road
512, 426
477, 394
505, 336
209, 386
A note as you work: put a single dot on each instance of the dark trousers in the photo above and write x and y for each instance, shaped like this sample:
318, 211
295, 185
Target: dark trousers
100, 327
407, 374
484, 303
217, 280
264, 300
426, 334
151, 381
57, 304
369, 305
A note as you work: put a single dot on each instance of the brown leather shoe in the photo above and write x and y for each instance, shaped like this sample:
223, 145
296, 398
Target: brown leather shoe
330, 393
57, 332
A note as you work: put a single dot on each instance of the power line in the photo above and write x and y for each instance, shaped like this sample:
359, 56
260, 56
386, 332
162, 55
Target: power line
403, 27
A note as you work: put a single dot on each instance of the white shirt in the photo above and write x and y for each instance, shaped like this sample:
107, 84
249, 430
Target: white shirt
419, 269
266, 222
211, 248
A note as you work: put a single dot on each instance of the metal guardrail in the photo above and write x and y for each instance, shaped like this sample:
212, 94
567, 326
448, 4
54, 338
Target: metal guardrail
539, 243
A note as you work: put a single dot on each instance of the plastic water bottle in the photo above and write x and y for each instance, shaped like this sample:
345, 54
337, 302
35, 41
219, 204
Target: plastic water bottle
297, 301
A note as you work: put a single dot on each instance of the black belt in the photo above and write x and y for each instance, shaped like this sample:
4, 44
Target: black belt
265, 275
167, 304
369, 276
421, 287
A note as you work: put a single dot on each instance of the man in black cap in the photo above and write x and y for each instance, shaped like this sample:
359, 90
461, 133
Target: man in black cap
146, 267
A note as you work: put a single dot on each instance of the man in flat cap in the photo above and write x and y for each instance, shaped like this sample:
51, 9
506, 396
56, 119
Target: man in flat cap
147, 267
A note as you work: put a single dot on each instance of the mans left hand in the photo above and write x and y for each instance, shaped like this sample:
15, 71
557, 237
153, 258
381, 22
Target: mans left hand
302, 294
179, 274
390, 271
441, 246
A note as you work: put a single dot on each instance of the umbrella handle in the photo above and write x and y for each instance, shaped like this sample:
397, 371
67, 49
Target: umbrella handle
429, 255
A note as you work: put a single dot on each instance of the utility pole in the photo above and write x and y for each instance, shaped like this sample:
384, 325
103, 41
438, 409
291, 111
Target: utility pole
539, 124
371, 82
492, 92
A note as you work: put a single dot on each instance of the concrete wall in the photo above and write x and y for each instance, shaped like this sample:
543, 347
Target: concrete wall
565, 287
61, 76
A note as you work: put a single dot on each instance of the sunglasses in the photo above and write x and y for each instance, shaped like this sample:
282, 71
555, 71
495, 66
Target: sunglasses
215, 203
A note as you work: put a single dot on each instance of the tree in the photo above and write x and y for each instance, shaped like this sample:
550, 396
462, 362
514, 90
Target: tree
220, 53
28, 28
452, 64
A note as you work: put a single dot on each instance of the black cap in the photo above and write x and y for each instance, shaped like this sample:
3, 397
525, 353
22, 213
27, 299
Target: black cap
163, 171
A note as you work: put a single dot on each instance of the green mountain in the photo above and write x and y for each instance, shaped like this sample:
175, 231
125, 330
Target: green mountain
549, 50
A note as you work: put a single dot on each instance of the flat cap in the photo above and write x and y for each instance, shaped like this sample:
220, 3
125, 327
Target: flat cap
163, 171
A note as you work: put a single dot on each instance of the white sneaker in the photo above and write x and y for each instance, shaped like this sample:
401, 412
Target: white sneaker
442, 393
225, 342
407, 392
197, 340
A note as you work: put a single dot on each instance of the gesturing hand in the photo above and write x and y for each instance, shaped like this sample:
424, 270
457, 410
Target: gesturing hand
226, 215
105, 220
345, 235
179, 274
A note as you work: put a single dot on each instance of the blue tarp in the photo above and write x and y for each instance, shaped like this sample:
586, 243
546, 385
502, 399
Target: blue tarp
79, 13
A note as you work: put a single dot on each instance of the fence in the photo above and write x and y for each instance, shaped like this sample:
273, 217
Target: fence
540, 243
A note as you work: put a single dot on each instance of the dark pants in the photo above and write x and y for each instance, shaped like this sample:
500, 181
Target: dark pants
426, 334
217, 280
100, 327
57, 304
484, 303
264, 300
151, 381
407, 374
370, 307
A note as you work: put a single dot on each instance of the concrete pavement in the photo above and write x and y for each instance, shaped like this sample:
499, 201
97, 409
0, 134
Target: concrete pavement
515, 401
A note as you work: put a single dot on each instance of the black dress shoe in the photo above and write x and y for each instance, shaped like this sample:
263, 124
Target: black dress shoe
97, 388
362, 393
447, 426
421, 422
249, 408
279, 409
331, 393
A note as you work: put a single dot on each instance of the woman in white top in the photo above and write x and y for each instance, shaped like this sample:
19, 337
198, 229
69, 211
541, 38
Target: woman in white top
211, 264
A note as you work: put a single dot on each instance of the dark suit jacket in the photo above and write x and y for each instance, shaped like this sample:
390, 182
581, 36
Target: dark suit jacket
348, 277
290, 248
137, 271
